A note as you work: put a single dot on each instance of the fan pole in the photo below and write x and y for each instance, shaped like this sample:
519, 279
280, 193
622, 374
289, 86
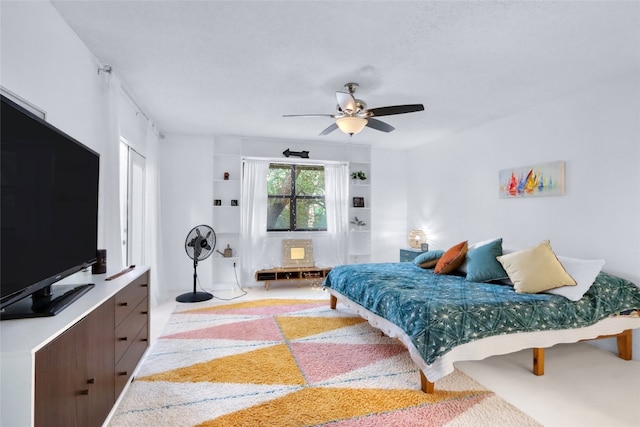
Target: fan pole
194, 296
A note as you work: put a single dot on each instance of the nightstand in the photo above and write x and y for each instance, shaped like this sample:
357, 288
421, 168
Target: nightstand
407, 255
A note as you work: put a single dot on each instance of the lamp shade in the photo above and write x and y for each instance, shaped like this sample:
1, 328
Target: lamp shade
416, 238
351, 125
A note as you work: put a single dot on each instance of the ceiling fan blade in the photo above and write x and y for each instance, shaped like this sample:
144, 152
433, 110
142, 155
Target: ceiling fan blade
308, 115
395, 109
329, 129
379, 125
346, 102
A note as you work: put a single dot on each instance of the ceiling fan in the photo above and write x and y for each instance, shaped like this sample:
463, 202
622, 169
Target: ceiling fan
353, 115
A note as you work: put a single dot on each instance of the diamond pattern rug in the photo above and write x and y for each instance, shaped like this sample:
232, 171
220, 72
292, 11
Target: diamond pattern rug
285, 362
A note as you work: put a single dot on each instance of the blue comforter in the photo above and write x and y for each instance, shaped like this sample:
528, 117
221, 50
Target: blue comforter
439, 312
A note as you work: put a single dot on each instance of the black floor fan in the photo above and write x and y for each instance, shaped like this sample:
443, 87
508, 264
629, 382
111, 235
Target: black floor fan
199, 244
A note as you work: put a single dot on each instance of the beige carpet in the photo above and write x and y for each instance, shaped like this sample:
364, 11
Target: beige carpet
282, 362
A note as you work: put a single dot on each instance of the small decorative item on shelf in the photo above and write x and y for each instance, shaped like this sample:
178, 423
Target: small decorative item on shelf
358, 202
358, 176
226, 176
217, 202
358, 222
234, 202
228, 252
100, 266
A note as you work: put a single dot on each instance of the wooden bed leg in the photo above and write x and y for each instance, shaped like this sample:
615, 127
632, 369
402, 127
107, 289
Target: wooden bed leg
624, 344
538, 361
425, 385
333, 301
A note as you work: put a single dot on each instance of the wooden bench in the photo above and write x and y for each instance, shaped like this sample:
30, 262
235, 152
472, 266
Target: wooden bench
316, 274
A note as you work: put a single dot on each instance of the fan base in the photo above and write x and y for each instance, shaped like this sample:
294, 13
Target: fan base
194, 297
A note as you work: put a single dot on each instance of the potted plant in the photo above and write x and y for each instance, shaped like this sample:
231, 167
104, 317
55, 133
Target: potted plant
358, 223
358, 176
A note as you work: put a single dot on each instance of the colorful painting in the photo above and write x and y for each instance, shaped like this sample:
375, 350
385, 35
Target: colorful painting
545, 179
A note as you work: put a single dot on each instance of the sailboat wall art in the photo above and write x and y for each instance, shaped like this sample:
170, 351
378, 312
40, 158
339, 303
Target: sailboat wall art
544, 179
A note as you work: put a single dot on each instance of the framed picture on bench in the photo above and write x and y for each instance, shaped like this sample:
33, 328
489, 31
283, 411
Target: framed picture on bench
297, 253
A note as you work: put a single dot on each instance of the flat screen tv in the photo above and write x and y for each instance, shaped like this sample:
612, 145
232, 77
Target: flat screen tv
49, 216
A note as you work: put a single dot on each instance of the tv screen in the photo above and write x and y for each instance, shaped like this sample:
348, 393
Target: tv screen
49, 217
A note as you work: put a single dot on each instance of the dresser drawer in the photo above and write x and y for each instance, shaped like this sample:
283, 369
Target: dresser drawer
129, 298
408, 255
129, 361
129, 328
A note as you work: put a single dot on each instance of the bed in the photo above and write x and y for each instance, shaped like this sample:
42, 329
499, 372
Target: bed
444, 318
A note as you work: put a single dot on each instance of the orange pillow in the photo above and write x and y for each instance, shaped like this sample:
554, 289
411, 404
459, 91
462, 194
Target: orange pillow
452, 259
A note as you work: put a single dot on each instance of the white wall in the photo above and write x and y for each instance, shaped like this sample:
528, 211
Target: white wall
186, 194
44, 62
453, 182
389, 205
273, 147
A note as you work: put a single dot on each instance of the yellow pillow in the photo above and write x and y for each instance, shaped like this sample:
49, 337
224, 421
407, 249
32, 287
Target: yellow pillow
535, 269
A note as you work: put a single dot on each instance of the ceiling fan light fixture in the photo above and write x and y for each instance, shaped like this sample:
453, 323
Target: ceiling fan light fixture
351, 125
353, 115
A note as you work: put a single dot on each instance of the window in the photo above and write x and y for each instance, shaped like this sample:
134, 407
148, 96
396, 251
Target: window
296, 198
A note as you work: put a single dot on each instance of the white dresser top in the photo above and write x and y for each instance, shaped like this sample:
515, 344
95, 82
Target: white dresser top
21, 336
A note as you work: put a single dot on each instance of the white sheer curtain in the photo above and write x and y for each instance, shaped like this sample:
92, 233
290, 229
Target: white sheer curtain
153, 234
260, 249
110, 177
253, 217
110, 233
336, 181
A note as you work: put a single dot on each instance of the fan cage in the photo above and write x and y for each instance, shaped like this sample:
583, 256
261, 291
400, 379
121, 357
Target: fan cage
205, 231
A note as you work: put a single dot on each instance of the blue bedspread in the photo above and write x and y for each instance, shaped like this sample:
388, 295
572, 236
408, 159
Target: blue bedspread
439, 312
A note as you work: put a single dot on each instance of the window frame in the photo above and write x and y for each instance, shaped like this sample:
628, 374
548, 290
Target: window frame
293, 197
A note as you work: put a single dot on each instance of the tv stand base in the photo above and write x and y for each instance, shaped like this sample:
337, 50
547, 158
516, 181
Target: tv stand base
59, 298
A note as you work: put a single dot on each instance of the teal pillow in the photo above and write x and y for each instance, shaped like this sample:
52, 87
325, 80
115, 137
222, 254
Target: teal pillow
482, 265
428, 259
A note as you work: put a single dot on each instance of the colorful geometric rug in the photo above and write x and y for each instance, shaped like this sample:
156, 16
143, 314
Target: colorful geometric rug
282, 362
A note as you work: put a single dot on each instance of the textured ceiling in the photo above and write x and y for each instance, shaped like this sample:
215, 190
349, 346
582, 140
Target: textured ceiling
234, 68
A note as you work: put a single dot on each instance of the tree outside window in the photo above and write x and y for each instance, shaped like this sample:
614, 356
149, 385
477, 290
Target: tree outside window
296, 198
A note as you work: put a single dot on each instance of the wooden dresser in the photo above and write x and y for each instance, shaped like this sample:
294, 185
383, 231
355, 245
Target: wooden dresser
70, 369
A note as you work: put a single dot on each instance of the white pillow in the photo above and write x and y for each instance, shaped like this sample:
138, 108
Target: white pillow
506, 250
583, 271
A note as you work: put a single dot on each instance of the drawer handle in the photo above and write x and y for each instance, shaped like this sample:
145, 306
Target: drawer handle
144, 285
144, 312
123, 338
123, 304
84, 392
123, 373
144, 340
91, 381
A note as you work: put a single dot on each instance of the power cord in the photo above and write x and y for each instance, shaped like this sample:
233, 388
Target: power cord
235, 272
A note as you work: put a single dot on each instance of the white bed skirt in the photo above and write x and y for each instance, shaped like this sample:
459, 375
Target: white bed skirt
490, 346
